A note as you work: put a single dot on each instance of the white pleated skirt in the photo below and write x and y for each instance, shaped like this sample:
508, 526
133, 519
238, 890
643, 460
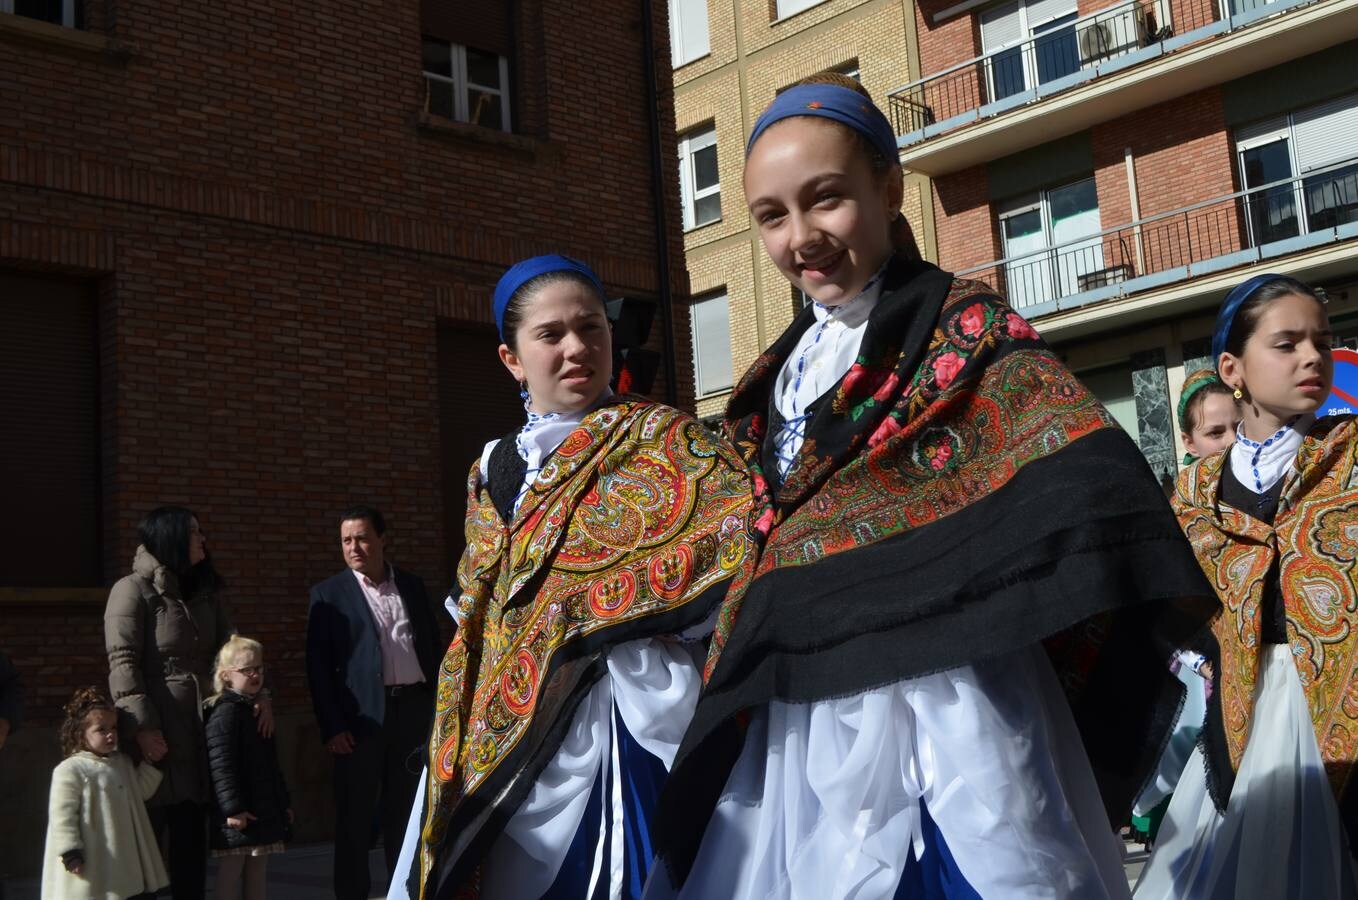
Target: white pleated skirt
1280, 836
824, 802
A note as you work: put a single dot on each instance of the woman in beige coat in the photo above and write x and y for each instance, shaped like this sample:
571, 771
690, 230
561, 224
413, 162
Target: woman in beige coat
162, 628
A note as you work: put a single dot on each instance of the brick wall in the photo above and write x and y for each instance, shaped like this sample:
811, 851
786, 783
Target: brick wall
965, 227
277, 235
1182, 155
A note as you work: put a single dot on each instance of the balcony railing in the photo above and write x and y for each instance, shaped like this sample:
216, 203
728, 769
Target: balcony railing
1270, 220
1059, 59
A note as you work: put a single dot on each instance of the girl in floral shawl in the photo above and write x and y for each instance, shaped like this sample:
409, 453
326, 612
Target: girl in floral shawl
600, 538
1267, 806
947, 675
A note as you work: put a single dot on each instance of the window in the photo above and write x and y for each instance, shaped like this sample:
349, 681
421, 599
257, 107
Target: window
49, 370
1042, 242
1314, 154
699, 183
784, 8
688, 31
58, 12
1037, 43
711, 344
466, 85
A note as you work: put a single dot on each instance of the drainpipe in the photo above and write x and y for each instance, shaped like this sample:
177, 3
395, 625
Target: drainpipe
1136, 207
662, 232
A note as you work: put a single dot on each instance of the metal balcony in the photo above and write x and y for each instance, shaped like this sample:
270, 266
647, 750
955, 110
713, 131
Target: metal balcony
1266, 222
1092, 47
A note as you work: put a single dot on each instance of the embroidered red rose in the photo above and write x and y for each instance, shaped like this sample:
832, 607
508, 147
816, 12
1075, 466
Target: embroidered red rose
1018, 327
939, 456
861, 380
886, 430
972, 320
764, 524
887, 389
756, 426
761, 487
946, 368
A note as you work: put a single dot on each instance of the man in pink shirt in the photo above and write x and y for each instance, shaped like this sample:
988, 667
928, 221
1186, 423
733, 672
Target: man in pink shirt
373, 649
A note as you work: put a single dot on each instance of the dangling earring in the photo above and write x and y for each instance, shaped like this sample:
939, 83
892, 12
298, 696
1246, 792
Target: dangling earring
1237, 394
523, 393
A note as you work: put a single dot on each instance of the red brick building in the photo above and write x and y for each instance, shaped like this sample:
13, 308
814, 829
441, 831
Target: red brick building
246, 259
1115, 166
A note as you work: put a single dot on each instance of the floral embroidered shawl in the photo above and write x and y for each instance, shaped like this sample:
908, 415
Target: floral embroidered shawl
632, 529
959, 495
1313, 542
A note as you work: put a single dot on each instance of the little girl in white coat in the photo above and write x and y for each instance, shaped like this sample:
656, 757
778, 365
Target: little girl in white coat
100, 845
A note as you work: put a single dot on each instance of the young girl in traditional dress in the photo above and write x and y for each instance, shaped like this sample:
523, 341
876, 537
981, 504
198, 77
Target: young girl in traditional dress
252, 813
100, 845
600, 537
1273, 524
1208, 418
937, 496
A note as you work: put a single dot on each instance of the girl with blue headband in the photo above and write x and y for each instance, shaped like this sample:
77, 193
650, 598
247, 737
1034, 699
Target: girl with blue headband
968, 586
601, 537
1267, 807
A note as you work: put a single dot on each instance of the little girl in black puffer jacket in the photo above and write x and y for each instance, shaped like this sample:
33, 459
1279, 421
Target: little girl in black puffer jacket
252, 816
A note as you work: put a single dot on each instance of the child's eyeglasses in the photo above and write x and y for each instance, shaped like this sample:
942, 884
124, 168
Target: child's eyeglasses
250, 670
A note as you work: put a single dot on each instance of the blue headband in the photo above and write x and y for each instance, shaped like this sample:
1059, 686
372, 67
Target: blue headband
830, 101
523, 272
1226, 318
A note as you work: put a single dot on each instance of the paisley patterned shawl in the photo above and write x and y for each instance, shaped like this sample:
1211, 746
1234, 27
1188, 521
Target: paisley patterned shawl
958, 496
632, 529
1314, 544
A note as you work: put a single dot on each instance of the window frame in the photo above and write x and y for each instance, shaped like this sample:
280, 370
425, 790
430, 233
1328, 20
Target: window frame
690, 143
1282, 127
1027, 32
677, 29
801, 7
462, 85
70, 13
698, 388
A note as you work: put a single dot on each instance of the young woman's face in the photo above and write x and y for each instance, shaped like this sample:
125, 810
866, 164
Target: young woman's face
246, 675
565, 349
101, 731
197, 543
824, 215
1285, 368
1218, 416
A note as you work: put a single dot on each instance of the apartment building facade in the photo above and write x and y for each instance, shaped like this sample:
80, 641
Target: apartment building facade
730, 58
1115, 166
246, 262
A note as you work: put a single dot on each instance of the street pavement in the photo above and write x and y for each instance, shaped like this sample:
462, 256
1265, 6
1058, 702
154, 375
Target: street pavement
303, 873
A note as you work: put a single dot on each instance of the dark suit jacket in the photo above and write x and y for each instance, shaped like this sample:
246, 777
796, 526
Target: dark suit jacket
344, 654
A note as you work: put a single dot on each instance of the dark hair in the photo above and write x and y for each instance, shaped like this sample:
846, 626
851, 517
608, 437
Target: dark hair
518, 303
1252, 310
165, 535
1189, 421
83, 702
371, 513
902, 235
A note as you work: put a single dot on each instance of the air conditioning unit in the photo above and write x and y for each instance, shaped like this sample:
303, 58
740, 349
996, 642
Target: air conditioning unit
1119, 31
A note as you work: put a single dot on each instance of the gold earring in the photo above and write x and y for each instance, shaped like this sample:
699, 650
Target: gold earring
1237, 394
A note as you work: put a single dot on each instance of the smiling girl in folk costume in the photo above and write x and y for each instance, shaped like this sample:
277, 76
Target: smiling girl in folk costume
1274, 524
937, 497
599, 536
